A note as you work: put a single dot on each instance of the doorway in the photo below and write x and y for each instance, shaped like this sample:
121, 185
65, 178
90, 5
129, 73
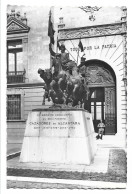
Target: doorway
101, 103
102, 107
97, 106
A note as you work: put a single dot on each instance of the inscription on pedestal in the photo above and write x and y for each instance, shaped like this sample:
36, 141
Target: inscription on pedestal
59, 137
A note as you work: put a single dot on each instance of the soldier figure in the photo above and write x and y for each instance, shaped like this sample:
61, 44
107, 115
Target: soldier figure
64, 57
101, 126
61, 61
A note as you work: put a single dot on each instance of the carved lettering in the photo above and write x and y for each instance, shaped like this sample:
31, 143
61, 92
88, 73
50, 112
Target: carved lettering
55, 121
95, 47
109, 46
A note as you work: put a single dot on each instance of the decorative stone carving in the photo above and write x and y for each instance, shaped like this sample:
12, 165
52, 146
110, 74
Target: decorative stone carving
14, 26
99, 75
91, 10
102, 30
124, 27
16, 23
124, 13
125, 62
17, 15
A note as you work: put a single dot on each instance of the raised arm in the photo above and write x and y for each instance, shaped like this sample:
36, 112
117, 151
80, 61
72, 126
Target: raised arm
51, 51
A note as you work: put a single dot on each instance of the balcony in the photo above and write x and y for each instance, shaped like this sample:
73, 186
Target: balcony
16, 77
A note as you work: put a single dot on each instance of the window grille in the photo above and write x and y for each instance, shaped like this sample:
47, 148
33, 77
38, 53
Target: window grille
14, 107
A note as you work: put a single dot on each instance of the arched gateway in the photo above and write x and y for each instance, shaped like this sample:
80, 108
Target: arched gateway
101, 80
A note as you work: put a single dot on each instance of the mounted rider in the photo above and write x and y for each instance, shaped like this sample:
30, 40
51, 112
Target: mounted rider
61, 61
66, 83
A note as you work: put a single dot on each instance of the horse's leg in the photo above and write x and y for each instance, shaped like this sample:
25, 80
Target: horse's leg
75, 102
67, 98
48, 97
75, 91
80, 103
75, 96
69, 90
43, 103
48, 92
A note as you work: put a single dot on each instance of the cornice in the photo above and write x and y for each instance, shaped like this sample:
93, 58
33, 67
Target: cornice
25, 85
92, 31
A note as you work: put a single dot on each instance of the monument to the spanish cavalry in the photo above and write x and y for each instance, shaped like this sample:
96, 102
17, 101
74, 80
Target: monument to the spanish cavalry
64, 132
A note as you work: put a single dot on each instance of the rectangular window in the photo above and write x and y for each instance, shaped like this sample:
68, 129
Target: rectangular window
14, 107
98, 112
14, 58
11, 62
15, 70
92, 111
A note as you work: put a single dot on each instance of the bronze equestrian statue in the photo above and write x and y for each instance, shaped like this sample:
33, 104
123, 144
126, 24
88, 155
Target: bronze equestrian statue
66, 84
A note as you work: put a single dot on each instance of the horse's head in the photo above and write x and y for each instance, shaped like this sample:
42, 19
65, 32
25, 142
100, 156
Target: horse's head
48, 74
40, 71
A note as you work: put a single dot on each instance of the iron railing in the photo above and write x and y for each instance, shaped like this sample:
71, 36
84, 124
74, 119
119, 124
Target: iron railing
16, 77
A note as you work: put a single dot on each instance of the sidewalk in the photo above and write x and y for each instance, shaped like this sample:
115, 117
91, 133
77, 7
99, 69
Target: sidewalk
100, 164
100, 174
43, 183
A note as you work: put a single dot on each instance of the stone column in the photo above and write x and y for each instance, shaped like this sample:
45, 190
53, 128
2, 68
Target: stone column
124, 30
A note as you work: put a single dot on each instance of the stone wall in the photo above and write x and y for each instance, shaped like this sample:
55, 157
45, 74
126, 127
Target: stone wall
38, 41
74, 17
32, 98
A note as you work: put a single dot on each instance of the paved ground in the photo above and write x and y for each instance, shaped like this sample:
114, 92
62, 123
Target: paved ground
100, 164
113, 175
98, 167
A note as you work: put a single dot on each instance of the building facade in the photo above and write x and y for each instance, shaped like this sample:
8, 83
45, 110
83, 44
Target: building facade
102, 32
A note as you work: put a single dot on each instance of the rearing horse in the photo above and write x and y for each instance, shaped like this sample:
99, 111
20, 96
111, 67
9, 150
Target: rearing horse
46, 75
67, 86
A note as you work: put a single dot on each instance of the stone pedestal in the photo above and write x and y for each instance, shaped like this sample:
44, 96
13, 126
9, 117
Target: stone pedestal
59, 136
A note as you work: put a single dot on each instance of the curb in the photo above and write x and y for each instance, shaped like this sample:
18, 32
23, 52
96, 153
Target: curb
91, 184
10, 156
